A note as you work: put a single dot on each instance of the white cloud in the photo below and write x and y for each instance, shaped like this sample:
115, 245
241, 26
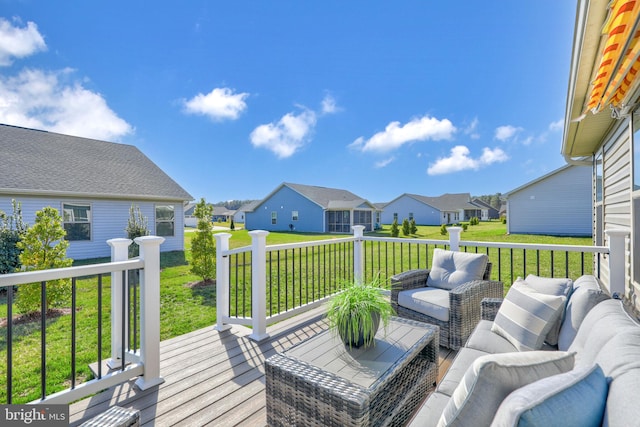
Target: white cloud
219, 104
504, 133
472, 129
18, 42
556, 126
460, 160
383, 163
286, 136
395, 135
329, 105
52, 101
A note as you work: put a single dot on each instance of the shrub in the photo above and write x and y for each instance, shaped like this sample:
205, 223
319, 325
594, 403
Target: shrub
43, 247
232, 226
474, 221
12, 228
203, 248
465, 226
504, 220
406, 228
136, 227
395, 230
413, 226
443, 229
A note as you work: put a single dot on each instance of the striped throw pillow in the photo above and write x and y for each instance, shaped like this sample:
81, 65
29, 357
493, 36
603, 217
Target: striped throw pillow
526, 316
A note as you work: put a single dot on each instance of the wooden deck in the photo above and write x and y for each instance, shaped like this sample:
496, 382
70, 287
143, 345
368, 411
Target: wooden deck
211, 378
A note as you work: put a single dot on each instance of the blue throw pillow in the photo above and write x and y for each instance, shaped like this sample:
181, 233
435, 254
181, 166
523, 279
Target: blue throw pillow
575, 398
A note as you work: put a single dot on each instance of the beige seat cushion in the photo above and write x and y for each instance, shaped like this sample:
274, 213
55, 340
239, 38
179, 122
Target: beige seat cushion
433, 302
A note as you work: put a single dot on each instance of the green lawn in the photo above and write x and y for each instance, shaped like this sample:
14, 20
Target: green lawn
184, 307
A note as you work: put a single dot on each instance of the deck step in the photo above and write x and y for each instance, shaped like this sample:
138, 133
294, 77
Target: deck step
115, 416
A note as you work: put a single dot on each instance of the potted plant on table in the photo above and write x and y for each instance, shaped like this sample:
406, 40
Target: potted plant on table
356, 312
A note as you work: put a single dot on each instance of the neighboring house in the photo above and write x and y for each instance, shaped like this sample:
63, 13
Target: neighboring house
93, 184
604, 133
222, 214
189, 218
238, 216
377, 216
556, 204
445, 209
488, 211
311, 209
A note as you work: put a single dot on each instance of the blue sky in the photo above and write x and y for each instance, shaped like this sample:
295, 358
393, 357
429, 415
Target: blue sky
233, 98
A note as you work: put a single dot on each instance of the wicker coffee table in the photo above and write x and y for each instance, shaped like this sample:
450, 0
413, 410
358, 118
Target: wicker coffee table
321, 382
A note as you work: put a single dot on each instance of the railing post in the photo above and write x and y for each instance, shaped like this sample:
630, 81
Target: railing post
259, 284
358, 253
222, 282
454, 237
150, 311
119, 252
617, 250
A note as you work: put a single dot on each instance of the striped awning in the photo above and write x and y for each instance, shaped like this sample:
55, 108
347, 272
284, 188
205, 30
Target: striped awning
617, 75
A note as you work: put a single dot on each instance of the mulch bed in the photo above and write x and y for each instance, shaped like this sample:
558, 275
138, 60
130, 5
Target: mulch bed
35, 316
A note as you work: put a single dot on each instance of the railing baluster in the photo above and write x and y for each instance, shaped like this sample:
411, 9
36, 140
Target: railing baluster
537, 262
552, 264
524, 263
499, 265
566, 263
124, 319
511, 260
278, 276
43, 339
9, 343
99, 326
73, 333
270, 281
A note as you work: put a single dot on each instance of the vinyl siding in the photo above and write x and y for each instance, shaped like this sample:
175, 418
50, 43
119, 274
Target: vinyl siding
284, 202
422, 213
560, 204
616, 172
109, 221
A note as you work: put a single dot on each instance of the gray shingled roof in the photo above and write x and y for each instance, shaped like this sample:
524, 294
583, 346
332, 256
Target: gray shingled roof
46, 163
328, 198
447, 202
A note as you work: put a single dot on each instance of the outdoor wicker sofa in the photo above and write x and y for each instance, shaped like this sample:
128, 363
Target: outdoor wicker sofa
457, 310
589, 378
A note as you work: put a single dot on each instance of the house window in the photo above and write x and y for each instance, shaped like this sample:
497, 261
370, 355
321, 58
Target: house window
165, 220
274, 218
77, 221
362, 218
339, 221
635, 195
395, 216
410, 216
294, 215
378, 218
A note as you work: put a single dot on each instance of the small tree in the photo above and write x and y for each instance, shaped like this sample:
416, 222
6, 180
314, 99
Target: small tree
443, 229
12, 228
232, 226
43, 247
137, 226
406, 228
395, 230
413, 227
203, 248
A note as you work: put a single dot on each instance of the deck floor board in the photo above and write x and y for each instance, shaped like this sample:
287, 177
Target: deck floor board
211, 378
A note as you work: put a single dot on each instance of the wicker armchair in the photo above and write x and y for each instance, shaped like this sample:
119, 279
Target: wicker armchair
464, 304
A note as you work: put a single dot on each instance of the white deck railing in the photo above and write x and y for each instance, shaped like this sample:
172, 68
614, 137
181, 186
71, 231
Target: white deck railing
143, 362
363, 264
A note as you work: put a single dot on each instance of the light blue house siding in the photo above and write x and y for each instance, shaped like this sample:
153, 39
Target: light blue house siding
405, 206
281, 207
108, 220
